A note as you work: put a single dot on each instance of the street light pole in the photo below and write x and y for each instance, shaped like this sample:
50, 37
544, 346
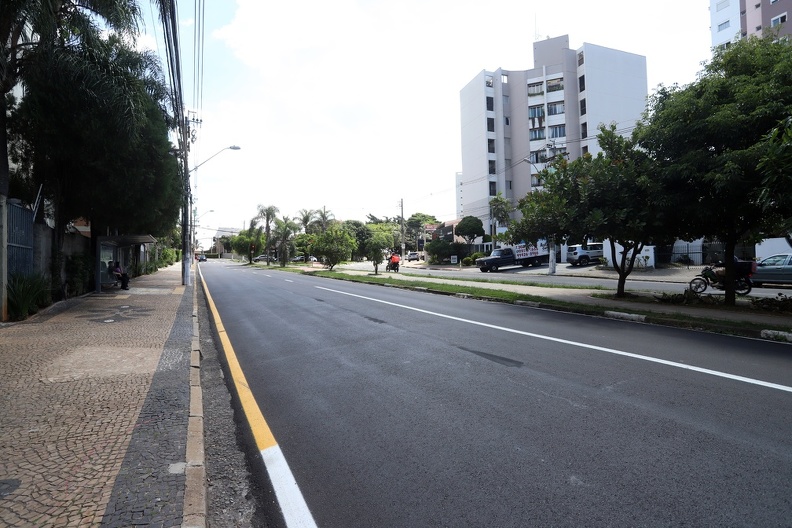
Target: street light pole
186, 226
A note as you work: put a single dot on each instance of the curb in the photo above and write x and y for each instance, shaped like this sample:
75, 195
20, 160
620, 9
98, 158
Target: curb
194, 511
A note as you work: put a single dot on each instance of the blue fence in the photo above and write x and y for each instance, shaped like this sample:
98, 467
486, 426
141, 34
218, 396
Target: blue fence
20, 240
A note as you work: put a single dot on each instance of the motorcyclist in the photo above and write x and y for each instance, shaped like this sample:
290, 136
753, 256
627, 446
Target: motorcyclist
394, 261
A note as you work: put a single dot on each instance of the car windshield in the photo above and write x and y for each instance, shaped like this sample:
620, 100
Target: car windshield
775, 260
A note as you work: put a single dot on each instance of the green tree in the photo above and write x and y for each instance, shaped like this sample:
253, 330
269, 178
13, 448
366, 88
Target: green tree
324, 217
361, 234
335, 245
415, 227
379, 241
500, 211
268, 214
709, 136
439, 250
283, 238
305, 217
470, 228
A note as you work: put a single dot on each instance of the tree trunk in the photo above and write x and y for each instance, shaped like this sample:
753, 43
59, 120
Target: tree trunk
729, 282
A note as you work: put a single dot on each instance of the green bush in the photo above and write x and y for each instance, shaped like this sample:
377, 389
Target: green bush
26, 294
468, 261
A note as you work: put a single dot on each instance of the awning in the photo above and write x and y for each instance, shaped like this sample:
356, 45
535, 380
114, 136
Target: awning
125, 240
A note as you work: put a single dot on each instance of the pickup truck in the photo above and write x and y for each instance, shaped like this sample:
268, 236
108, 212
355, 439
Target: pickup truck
519, 255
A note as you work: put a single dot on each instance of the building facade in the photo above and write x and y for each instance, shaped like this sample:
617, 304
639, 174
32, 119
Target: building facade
731, 20
512, 122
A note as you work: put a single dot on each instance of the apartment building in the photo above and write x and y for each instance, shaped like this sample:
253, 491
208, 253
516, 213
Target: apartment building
735, 19
512, 122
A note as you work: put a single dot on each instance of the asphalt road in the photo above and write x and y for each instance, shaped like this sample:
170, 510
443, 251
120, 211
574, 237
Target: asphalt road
398, 408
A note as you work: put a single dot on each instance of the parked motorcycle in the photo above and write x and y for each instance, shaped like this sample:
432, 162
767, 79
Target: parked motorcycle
708, 277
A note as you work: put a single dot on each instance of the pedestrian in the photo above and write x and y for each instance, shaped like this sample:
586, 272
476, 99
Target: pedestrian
124, 277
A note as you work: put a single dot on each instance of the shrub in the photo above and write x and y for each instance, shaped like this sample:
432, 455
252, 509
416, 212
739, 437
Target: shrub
78, 273
26, 294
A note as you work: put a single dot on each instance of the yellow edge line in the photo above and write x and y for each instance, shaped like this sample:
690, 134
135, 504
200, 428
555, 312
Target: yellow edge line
262, 434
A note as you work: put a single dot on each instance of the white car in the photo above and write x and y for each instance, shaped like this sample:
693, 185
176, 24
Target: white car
584, 254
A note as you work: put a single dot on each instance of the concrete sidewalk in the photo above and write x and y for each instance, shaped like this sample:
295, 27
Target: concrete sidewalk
100, 413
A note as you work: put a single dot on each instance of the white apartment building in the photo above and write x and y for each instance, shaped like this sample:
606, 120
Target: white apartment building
734, 19
513, 121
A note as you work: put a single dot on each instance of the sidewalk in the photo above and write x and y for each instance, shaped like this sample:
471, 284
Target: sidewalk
100, 410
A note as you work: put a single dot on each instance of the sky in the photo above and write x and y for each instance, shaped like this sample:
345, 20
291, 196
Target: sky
353, 105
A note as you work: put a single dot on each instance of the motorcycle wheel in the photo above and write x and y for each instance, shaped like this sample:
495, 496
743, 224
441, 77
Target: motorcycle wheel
698, 285
742, 287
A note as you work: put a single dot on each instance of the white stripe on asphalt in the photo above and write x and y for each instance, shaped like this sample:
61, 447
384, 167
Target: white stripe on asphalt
726, 375
290, 499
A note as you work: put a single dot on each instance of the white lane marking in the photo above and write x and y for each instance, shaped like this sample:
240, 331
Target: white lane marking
289, 280
577, 344
295, 511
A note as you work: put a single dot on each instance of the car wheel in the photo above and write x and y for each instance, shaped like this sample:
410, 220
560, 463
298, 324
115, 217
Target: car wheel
484, 270
493, 268
584, 261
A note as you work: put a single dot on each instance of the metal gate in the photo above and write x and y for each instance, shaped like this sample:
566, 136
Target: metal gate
20, 240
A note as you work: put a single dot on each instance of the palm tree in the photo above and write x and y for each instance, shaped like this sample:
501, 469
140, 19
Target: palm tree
285, 229
305, 217
324, 217
267, 214
500, 209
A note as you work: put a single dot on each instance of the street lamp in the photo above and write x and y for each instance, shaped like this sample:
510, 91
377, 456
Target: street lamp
186, 227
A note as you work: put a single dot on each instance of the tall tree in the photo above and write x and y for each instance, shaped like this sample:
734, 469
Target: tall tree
305, 217
324, 217
283, 235
268, 214
470, 228
708, 138
500, 211
33, 35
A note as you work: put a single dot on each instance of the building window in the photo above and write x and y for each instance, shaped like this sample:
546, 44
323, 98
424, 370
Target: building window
585, 149
488, 81
582, 83
584, 130
492, 189
780, 19
580, 59
507, 121
582, 107
558, 131
492, 169
537, 133
490, 124
491, 146
536, 111
504, 78
724, 25
555, 108
723, 4
535, 89
538, 156
490, 104
554, 85
505, 101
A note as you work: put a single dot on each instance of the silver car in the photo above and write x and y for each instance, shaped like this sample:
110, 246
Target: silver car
584, 254
776, 269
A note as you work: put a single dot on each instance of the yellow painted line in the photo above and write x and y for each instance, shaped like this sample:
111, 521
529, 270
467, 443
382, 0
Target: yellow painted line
262, 434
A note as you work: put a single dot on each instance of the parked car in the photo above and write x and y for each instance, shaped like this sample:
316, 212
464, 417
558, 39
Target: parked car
263, 258
201, 258
298, 258
584, 254
312, 258
412, 256
776, 269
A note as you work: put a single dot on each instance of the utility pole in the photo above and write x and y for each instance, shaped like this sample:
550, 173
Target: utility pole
401, 204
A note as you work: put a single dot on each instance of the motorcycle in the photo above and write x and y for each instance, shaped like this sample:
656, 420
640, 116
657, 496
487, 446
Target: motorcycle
392, 266
708, 277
